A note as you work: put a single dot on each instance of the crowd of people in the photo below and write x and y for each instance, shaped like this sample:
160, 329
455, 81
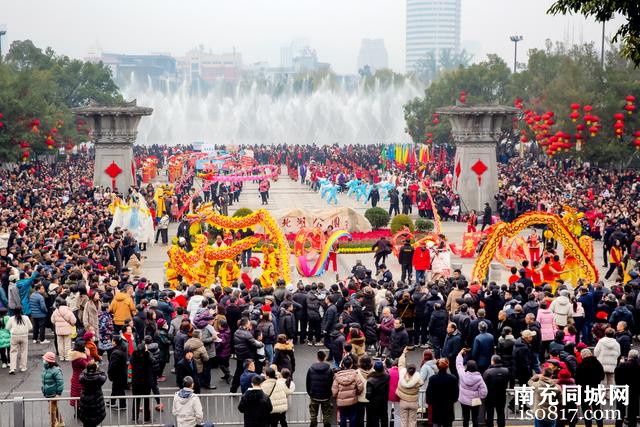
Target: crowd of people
62, 270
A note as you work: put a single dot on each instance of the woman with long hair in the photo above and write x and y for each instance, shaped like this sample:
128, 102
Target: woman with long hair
91, 410
408, 391
19, 327
79, 361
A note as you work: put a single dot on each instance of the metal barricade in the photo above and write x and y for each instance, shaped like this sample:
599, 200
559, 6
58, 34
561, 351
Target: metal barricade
219, 408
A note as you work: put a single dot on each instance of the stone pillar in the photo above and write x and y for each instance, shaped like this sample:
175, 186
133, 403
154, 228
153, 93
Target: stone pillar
114, 130
476, 131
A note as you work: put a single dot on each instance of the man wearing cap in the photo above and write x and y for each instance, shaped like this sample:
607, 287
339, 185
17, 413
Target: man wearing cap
524, 359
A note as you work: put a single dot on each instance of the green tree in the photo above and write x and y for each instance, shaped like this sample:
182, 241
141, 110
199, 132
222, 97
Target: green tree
604, 10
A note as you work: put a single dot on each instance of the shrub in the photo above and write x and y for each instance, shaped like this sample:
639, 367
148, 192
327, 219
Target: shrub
377, 217
424, 225
400, 221
242, 212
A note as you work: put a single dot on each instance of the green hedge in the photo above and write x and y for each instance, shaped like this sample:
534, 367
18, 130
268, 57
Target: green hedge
400, 221
242, 212
424, 225
377, 217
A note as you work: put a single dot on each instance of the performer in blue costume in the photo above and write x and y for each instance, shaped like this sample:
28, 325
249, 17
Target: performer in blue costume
333, 193
352, 186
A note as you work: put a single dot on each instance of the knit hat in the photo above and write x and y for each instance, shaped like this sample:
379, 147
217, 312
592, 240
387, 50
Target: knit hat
564, 374
49, 357
580, 346
161, 322
378, 366
88, 336
602, 315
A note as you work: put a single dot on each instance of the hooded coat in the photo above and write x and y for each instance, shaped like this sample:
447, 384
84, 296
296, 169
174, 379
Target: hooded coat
122, 308
283, 357
187, 408
63, 319
607, 352
546, 319
256, 407
79, 362
471, 384
562, 309
92, 408
319, 380
346, 387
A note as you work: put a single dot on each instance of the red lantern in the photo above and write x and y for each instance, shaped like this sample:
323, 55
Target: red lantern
68, 146
574, 116
575, 106
524, 138
593, 130
618, 116
630, 108
50, 142
23, 144
463, 97
580, 127
630, 99
25, 155
588, 118
587, 108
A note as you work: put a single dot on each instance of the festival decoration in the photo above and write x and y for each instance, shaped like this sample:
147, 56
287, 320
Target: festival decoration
463, 97
630, 107
198, 264
397, 240
469, 243
318, 244
134, 216
113, 170
636, 140
555, 226
243, 175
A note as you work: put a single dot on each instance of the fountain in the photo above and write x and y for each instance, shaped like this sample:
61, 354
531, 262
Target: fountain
255, 112
475, 131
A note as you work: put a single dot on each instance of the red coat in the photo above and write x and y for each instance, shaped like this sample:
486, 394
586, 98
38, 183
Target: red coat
421, 259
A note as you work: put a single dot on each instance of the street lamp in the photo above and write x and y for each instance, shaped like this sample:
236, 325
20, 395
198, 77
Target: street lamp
2, 33
515, 40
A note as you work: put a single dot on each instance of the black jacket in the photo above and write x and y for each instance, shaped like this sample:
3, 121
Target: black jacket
628, 373
504, 349
590, 372
438, 323
287, 324
245, 345
187, 369
398, 340
313, 306
452, 346
378, 389
330, 318
142, 374
319, 381
496, 377
91, 410
442, 394
523, 361
117, 371
300, 297
283, 357
405, 256
256, 407
337, 345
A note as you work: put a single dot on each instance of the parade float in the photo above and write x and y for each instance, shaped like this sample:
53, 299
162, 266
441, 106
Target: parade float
312, 248
134, 216
205, 261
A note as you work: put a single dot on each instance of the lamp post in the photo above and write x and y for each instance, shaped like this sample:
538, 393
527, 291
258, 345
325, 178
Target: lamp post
515, 40
2, 33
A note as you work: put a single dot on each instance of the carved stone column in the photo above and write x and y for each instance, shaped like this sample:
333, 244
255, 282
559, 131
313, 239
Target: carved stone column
476, 131
114, 130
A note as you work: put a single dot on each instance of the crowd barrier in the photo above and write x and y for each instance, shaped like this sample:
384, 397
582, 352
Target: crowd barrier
219, 408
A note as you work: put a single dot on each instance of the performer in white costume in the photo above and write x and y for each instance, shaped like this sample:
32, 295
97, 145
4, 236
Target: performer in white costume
134, 216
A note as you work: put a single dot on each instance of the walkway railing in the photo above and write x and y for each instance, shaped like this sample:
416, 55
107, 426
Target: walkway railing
220, 408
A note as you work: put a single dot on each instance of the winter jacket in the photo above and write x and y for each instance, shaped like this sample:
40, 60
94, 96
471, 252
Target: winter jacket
330, 319
357, 343
187, 408
154, 351
625, 340
92, 409
105, 328
319, 381
622, 313
277, 391
543, 394
5, 334
524, 360
452, 346
268, 332
607, 352
496, 378
408, 387
245, 345
442, 393
200, 354
208, 336
287, 324
346, 387
245, 380
313, 306
590, 372
52, 381
482, 350
562, 309
546, 319
338, 341
223, 348
117, 371
79, 362
38, 306
377, 389
122, 308
14, 297
283, 357
386, 329
421, 259
19, 330
472, 385
90, 316
398, 340
256, 407
504, 349
24, 287
63, 319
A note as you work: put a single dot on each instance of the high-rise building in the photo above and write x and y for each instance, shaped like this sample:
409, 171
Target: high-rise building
209, 66
432, 26
374, 54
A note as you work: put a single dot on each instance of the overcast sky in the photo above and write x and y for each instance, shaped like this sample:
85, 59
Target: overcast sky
258, 28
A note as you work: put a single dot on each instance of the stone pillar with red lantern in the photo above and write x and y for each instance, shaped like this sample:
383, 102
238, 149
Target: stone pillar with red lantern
476, 131
113, 131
